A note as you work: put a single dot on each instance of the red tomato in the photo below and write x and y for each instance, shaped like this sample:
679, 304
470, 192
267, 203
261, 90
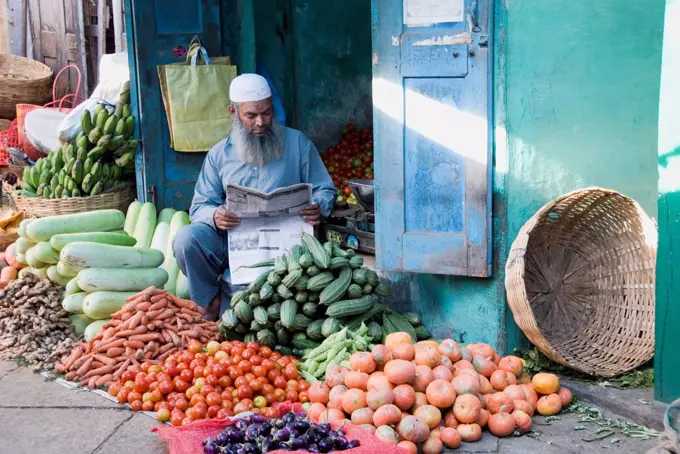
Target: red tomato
247, 353
259, 371
244, 392
207, 389
176, 419
212, 380
245, 366
195, 399
265, 351
213, 411
256, 385
280, 382
256, 360
115, 388
127, 375
181, 404
222, 414
292, 396
291, 372
122, 395
166, 387
303, 385
303, 397
225, 381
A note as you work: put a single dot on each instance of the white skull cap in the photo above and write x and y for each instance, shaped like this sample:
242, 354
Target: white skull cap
249, 88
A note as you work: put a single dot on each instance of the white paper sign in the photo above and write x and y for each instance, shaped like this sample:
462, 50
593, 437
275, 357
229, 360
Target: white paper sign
428, 12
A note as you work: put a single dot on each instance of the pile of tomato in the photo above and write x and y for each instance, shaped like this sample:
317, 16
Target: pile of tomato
215, 381
351, 157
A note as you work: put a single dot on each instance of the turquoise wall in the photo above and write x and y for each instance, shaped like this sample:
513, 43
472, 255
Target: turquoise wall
582, 87
576, 105
666, 359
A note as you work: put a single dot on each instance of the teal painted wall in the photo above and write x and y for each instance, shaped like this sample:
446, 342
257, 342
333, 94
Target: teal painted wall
582, 82
576, 104
667, 360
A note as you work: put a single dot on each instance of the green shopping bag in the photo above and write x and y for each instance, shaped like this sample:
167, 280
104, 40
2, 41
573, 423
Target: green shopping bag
196, 100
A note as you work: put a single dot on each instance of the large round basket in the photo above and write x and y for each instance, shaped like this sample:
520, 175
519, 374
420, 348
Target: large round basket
37, 207
580, 282
22, 80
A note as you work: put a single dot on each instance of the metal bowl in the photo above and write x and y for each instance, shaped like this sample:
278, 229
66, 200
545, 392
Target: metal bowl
363, 191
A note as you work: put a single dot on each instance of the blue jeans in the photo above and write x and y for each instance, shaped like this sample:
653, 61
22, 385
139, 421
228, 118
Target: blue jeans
203, 257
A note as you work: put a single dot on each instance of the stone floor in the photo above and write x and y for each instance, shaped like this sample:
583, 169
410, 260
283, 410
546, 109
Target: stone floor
40, 416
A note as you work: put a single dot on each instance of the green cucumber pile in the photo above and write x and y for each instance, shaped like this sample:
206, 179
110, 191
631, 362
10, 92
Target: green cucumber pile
309, 294
99, 158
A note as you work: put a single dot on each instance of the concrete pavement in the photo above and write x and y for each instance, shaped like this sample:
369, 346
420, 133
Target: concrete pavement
38, 416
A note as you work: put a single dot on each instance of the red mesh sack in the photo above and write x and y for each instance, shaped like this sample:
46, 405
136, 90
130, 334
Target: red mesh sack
9, 138
189, 439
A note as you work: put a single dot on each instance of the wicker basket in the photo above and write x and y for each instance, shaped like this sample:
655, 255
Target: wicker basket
22, 80
118, 199
580, 282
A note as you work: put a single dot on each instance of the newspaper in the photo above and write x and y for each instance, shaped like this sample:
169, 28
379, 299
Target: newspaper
270, 225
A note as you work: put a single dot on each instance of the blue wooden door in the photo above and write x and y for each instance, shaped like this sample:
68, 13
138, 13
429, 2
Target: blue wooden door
432, 103
155, 29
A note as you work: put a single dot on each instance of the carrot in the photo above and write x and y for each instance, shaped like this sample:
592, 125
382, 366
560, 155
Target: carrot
145, 320
182, 302
175, 338
82, 370
167, 313
160, 304
108, 360
126, 316
109, 333
133, 361
122, 368
98, 372
129, 351
105, 345
96, 364
165, 348
151, 326
89, 346
115, 323
103, 380
191, 312
139, 355
143, 306
136, 320
75, 354
59, 368
145, 337
92, 381
159, 296
165, 355
153, 314
80, 361
115, 352
70, 376
194, 334
131, 332
134, 344
166, 336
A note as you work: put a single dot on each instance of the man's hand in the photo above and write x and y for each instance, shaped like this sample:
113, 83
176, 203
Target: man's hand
225, 219
311, 213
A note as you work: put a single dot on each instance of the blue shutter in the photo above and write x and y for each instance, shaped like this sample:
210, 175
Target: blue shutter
432, 102
155, 28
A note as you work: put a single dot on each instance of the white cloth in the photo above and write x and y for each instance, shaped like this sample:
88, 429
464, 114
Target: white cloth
249, 88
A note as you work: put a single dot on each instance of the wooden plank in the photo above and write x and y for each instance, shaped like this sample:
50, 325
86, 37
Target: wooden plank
80, 44
35, 27
101, 28
117, 12
4, 28
14, 20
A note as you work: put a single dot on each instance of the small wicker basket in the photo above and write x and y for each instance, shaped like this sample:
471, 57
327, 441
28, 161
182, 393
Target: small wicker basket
22, 80
580, 282
37, 207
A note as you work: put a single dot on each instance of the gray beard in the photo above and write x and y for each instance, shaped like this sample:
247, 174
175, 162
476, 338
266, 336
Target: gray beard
257, 150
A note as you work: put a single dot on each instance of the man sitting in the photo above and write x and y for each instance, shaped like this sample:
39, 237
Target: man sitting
260, 154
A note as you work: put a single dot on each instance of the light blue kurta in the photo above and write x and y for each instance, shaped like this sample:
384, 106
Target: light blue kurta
200, 250
300, 163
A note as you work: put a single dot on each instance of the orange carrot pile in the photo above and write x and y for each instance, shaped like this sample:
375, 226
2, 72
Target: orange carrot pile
150, 327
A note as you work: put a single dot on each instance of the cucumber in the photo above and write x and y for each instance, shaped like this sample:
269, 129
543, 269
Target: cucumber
121, 238
160, 237
166, 215
145, 225
72, 287
93, 328
179, 220
44, 252
74, 303
55, 277
121, 279
80, 322
22, 229
32, 259
66, 270
182, 289
100, 305
109, 256
131, 217
43, 229
23, 245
